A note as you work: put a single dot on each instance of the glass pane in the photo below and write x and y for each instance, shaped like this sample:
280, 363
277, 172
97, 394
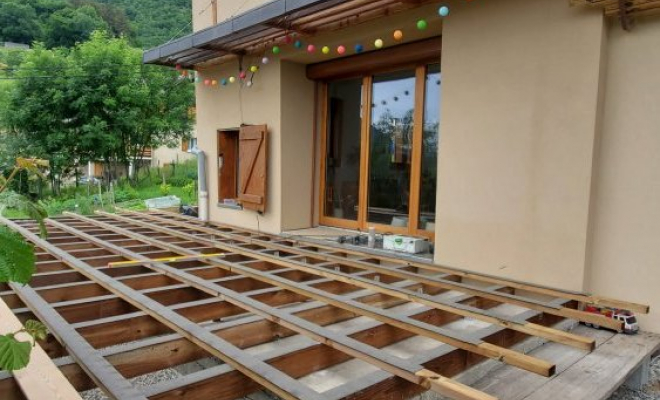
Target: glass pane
343, 149
430, 148
392, 113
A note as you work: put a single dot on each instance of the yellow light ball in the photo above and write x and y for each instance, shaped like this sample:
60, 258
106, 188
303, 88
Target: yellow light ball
254, 69
325, 50
232, 79
379, 43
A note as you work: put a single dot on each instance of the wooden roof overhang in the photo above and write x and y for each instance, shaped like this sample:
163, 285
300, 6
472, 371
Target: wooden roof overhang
270, 23
624, 10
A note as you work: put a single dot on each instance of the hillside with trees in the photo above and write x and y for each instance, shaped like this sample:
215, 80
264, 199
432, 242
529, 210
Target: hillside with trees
63, 23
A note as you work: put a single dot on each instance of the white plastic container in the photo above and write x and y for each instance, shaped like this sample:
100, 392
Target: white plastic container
405, 244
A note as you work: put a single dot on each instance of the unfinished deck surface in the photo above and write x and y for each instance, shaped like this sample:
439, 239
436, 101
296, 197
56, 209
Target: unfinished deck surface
224, 312
580, 375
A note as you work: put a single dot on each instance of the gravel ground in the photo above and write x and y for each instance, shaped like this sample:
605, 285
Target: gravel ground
650, 392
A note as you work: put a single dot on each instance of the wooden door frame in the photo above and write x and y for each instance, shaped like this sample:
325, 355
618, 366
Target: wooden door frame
365, 144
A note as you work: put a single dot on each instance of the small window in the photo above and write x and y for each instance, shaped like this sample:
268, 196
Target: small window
242, 167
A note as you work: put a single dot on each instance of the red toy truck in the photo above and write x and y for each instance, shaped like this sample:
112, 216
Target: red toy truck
630, 325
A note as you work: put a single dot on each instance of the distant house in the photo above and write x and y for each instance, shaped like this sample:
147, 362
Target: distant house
520, 136
159, 157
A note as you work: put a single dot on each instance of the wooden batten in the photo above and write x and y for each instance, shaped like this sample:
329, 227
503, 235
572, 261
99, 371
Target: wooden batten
41, 379
171, 273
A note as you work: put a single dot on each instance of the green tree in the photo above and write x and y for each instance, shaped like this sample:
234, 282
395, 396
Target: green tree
99, 104
114, 16
39, 111
68, 26
18, 22
156, 21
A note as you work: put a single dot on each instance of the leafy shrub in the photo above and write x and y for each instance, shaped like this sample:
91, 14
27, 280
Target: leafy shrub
190, 190
11, 199
180, 181
165, 189
126, 194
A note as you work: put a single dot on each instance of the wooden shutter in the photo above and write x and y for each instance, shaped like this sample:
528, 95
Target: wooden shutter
185, 144
253, 160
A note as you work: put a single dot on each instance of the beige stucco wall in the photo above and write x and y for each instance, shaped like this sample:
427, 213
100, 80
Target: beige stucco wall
297, 99
519, 112
289, 116
225, 107
625, 260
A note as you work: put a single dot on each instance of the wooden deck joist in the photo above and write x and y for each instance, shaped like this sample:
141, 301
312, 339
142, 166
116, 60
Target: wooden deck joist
443, 283
267, 376
89, 359
249, 236
447, 384
460, 341
413, 373
267, 287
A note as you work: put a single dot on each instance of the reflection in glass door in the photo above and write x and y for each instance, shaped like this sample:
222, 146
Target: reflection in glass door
343, 146
390, 148
381, 151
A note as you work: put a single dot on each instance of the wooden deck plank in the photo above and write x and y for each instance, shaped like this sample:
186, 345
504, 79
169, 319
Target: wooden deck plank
580, 376
387, 271
442, 335
41, 379
490, 279
98, 368
409, 371
267, 376
600, 373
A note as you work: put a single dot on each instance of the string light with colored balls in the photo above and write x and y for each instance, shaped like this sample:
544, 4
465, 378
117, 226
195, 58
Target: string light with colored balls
422, 24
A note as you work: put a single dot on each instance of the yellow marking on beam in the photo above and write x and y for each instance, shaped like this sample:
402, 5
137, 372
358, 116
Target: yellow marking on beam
164, 259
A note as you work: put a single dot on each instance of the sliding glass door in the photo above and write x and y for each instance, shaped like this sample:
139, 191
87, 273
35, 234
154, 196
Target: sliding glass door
380, 151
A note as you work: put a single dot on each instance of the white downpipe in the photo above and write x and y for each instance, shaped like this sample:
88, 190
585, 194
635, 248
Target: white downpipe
202, 185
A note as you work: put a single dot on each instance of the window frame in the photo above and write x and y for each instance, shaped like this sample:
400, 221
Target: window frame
362, 223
